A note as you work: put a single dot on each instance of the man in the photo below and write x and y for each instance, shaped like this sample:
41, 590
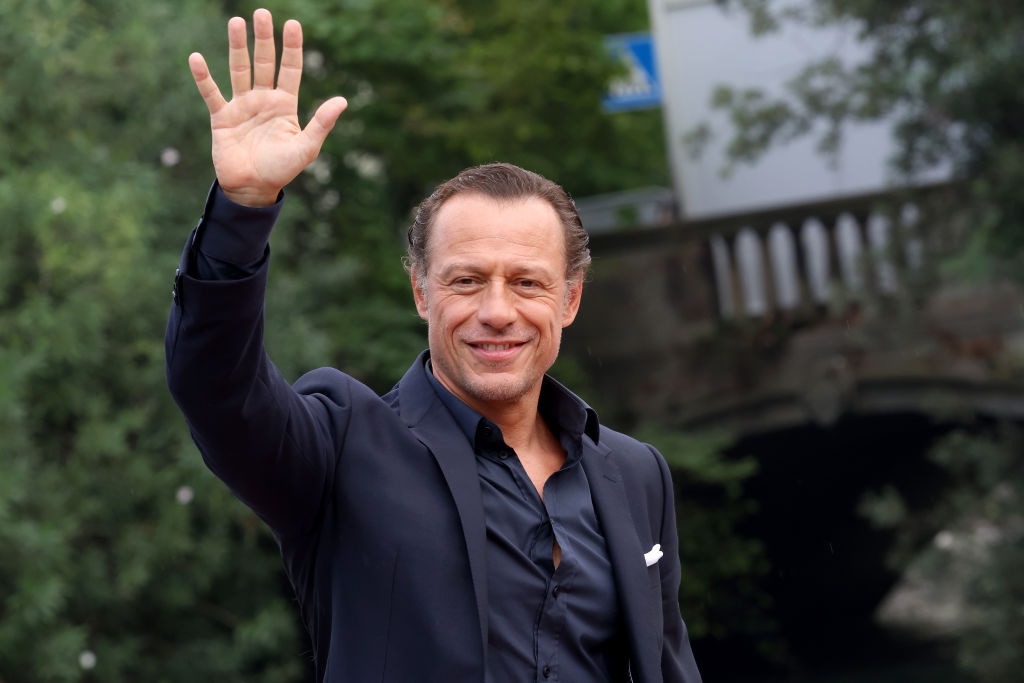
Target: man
473, 524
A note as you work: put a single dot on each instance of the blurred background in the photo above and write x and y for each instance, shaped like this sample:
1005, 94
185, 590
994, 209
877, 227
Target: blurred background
807, 228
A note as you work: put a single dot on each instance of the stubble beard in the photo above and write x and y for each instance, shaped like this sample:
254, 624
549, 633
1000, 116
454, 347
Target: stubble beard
495, 390
489, 390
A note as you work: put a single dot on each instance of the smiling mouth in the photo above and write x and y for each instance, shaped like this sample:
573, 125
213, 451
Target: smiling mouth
496, 347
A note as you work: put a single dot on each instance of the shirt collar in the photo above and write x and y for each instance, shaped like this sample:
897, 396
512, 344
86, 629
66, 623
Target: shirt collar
557, 405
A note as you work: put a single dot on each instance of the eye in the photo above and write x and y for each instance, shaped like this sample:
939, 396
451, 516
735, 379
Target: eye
463, 283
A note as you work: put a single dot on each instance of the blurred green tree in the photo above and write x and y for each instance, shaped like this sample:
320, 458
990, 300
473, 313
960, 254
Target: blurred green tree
722, 596
974, 533
985, 512
113, 540
946, 73
120, 558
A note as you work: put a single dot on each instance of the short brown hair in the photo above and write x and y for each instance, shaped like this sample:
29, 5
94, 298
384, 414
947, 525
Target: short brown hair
501, 181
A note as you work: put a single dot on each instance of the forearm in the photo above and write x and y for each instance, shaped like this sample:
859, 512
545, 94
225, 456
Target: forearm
215, 331
251, 427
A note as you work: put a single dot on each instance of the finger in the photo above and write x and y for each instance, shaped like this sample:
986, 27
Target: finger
291, 58
263, 56
322, 122
238, 57
204, 81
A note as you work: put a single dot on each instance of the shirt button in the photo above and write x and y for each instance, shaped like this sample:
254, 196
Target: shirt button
547, 672
504, 455
556, 590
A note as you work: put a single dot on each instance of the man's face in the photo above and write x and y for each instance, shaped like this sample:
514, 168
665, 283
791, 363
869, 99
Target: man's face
495, 297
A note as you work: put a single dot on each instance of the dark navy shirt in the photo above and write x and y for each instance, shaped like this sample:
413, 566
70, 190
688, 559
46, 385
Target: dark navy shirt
544, 623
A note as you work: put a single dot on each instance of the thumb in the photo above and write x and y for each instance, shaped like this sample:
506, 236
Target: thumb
323, 121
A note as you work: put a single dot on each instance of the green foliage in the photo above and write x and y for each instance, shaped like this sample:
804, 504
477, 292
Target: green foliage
974, 535
121, 557
946, 71
721, 595
989, 472
438, 86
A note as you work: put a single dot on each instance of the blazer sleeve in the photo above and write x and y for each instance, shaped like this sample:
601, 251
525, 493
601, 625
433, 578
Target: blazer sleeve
677, 662
274, 448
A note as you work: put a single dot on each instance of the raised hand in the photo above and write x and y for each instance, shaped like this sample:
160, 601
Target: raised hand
258, 144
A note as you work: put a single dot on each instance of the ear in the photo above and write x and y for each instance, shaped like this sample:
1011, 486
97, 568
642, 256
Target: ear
418, 295
572, 300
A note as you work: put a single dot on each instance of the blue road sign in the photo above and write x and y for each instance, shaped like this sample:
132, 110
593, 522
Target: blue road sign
640, 87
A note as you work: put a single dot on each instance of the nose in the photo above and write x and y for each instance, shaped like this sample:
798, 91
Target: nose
497, 306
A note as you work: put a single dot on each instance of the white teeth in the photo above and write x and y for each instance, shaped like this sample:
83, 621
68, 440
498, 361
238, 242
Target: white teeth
495, 347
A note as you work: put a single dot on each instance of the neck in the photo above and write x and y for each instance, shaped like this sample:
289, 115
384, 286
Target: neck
521, 425
519, 418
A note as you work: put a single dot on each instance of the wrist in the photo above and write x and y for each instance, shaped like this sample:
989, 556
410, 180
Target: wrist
251, 197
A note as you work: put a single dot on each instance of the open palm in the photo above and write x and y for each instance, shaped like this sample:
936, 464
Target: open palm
258, 144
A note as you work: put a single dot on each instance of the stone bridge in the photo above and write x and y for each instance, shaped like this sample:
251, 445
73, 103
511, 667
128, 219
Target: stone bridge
758, 322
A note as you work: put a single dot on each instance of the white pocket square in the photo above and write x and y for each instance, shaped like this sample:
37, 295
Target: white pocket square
652, 556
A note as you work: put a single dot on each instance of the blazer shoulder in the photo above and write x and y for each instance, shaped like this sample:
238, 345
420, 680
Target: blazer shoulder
643, 469
632, 451
339, 387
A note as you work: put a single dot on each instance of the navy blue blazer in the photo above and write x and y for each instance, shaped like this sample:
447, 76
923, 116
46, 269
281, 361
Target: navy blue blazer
375, 502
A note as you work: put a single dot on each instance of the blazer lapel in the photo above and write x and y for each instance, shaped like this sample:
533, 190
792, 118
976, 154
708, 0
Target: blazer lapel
434, 426
628, 566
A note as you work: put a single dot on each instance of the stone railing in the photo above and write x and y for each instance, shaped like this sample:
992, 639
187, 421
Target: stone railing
797, 262
810, 257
